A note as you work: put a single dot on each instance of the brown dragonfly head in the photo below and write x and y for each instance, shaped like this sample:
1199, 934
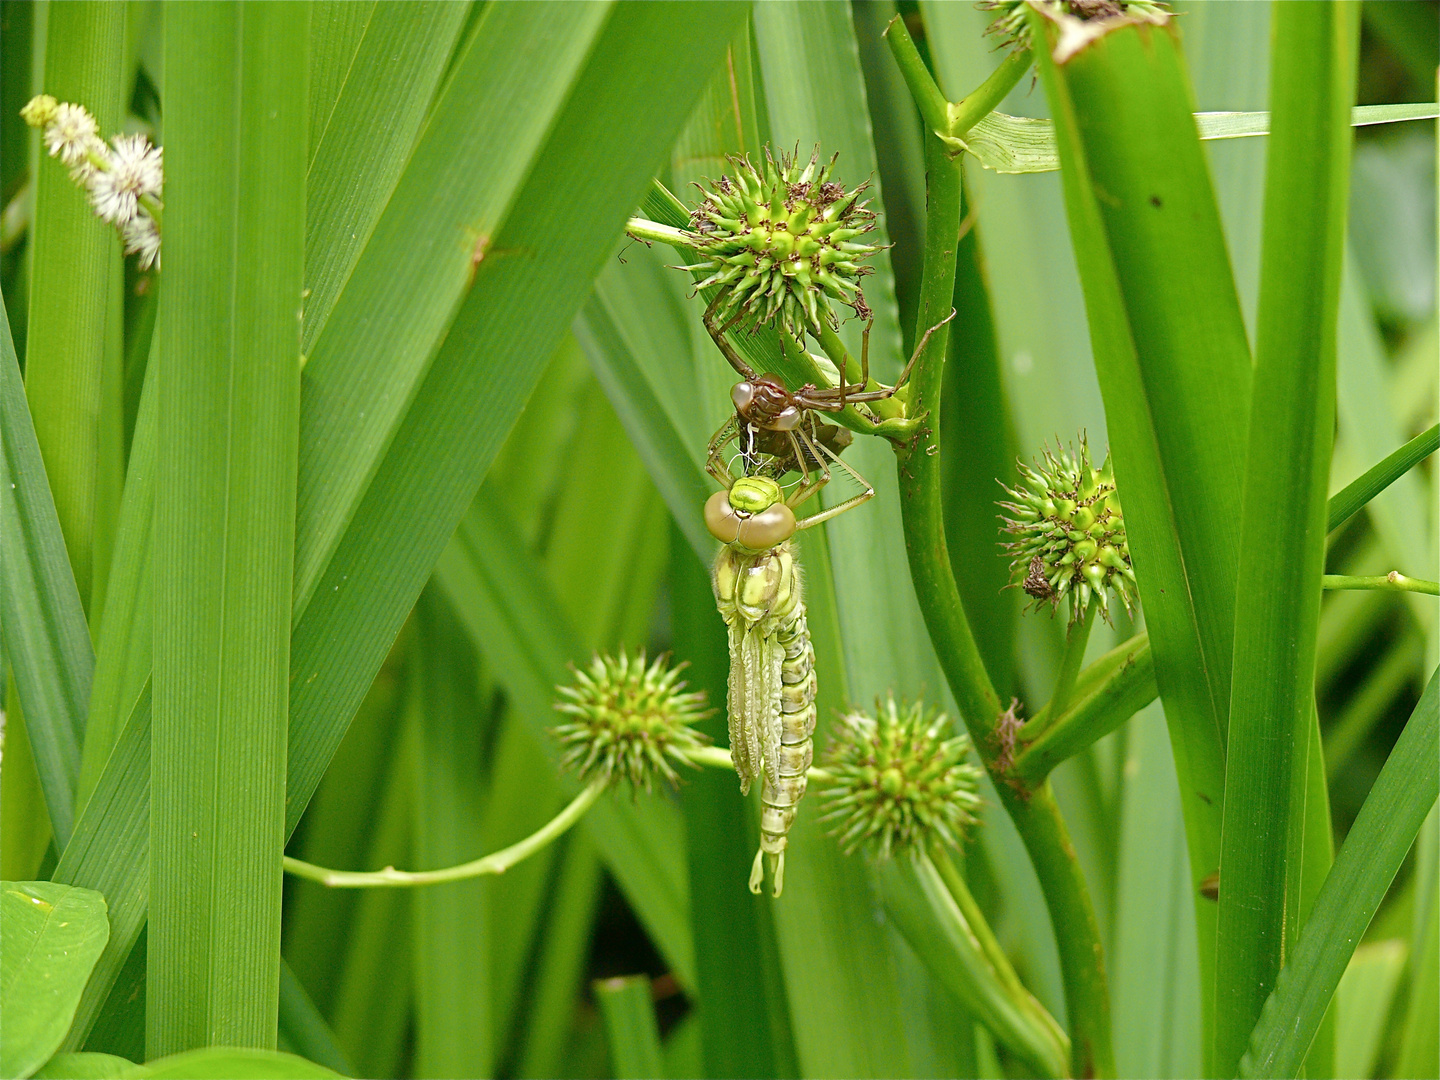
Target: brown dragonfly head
764, 402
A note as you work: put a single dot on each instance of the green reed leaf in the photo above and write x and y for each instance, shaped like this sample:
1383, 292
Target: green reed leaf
227, 415
1376, 845
47, 643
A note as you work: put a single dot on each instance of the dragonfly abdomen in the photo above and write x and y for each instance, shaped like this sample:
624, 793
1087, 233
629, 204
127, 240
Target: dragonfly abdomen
782, 790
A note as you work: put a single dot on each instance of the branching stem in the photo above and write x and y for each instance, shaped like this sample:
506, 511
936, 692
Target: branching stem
1035, 813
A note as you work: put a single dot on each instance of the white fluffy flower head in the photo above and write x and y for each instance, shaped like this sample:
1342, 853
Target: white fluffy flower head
72, 135
143, 238
135, 171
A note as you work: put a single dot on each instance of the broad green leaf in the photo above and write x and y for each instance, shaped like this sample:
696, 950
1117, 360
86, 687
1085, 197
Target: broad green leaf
235, 1063
90, 1066
50, 937
630, 1028
1362, 1004
336, 29
224, 533
367, 139
361, 373
47, 643
123, 652
1283, 519
454, 923
70, 281
1020, 144
569, 214
1376, 845
1173, 361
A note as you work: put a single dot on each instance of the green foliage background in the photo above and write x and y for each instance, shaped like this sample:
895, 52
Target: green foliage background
502, 416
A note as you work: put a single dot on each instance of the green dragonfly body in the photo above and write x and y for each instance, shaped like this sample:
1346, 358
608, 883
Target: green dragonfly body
772, 688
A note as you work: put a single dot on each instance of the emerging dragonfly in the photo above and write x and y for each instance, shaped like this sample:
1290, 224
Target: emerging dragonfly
757, 580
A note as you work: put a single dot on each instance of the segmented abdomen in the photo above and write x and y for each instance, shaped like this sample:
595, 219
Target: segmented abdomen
782, 789
772, 688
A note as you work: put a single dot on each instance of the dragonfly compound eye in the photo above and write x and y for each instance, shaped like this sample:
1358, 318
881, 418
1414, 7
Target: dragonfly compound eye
751, 515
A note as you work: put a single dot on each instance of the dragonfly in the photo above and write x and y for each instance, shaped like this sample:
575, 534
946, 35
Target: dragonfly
776, 432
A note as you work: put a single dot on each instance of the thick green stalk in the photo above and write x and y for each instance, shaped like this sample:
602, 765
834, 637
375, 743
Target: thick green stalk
1037, 817
1283, 521
69, 288
224, 530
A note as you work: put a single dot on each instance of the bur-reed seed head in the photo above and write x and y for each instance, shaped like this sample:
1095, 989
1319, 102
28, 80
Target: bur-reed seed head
1013, 29
899, 779
629, 720
1070, 533
783, 240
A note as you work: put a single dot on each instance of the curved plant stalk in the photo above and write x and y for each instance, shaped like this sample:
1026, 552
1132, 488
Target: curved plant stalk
1391, 582
1036, 815
933, 909
497, 862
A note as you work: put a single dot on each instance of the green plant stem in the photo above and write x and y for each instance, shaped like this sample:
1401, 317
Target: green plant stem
1036, 817
1391, 582
495, 863
986, 981
966, 113
931, 102
951, 120
1380, 476
980, 927
1129, 688
1077, 636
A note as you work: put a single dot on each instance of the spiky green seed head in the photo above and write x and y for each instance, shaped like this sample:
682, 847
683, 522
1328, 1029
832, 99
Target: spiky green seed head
899, 779
783, 240
1070, 533
629, 720
1013, 29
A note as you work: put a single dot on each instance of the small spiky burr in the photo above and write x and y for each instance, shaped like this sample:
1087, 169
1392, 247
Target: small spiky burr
1070, 533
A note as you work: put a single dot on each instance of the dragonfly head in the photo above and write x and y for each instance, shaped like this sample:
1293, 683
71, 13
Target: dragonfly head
764, 402
752, 515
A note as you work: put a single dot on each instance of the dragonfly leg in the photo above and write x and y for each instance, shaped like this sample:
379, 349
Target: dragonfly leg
715, 463
717, 334
877, 395
808, 485
848, 504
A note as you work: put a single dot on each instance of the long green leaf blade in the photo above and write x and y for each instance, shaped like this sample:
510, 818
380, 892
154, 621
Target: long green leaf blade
1369, 859
228, 416
70, 279
1173, 361
1283, 530
47, 643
